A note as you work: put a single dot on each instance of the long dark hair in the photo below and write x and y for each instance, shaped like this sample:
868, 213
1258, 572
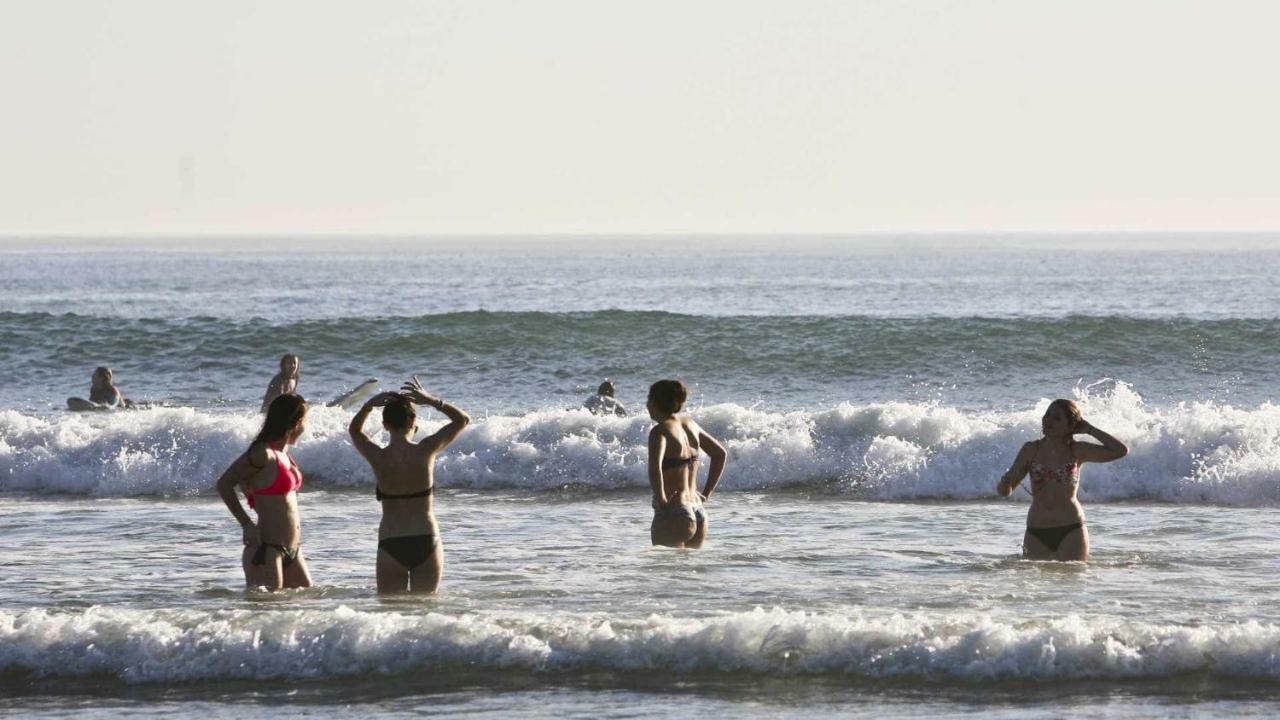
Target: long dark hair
283, 417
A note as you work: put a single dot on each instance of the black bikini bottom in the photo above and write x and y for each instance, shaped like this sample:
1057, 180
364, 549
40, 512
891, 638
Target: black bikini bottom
287, 554
410, 550
1052, 537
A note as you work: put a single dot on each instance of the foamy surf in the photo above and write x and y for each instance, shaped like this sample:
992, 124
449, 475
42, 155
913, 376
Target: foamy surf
1195, 452
140, 646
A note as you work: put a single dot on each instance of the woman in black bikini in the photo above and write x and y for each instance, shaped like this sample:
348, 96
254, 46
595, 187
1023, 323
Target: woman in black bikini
1055, 522
679, 519
410, 556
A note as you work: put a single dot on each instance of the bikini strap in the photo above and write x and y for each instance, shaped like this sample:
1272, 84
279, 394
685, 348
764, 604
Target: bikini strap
377, 493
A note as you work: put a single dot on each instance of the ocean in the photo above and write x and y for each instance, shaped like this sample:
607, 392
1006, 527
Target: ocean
871, 391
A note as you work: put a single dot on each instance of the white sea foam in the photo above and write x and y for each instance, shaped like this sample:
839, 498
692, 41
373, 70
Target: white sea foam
142, 646
1196, 452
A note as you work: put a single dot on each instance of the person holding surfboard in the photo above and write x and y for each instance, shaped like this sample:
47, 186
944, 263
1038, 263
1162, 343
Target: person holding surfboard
410, 555
285, 381
675, 444
270, 480
1055, 521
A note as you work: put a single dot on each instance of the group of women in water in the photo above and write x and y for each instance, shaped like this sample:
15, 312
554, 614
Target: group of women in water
410, 556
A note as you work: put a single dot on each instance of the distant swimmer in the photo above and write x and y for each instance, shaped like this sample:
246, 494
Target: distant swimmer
1055, 522
103, 392
285, 382
270, 480
679, 518
604, 403
410, 554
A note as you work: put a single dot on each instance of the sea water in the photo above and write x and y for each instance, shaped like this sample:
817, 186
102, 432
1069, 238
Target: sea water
870, 392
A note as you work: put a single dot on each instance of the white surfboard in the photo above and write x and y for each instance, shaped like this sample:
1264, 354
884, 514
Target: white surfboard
363, 392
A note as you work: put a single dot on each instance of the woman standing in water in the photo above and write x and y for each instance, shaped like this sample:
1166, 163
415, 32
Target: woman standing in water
679, 519
1055, 522
410, 556
285, 382
272, 556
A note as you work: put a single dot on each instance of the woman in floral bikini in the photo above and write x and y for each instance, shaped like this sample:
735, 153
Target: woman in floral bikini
1055, 522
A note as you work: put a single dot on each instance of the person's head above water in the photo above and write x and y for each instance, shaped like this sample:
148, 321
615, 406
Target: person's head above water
286, 419
398, 415
666, 397
606, 388
101, 377
1061, 419
289, 364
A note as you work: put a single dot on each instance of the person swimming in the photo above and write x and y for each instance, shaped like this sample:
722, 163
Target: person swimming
285, 382
1055, 522
270, 480
103, 393
679, 516
604, 402
410, 554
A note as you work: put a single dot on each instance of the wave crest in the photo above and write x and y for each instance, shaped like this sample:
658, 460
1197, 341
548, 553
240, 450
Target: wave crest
140, 646
1192, 452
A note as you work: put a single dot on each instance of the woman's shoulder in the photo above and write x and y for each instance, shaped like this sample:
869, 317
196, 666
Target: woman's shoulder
259, 454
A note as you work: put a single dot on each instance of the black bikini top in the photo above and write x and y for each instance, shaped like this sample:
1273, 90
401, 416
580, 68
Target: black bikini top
377, 492
673, 463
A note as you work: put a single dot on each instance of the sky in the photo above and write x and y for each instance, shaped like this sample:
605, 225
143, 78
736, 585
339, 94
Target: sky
172, 117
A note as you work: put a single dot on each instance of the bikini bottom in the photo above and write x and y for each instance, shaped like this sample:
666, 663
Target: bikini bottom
410, 550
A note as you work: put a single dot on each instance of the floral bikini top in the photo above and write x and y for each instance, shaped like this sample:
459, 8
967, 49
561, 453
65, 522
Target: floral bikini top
1067, 473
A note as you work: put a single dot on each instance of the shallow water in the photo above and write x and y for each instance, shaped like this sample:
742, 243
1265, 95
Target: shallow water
870, 396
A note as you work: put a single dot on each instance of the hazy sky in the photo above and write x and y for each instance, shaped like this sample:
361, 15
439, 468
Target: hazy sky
169, 116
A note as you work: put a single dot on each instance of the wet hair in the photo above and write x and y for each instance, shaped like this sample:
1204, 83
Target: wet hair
286, 358
398, 414
1070, 409
668, 395
104, 372
284, 415
606, 388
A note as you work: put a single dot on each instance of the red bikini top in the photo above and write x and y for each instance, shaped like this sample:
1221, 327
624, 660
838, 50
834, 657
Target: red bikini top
288, 478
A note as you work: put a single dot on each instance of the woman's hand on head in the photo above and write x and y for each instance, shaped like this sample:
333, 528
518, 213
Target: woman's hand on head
418, 394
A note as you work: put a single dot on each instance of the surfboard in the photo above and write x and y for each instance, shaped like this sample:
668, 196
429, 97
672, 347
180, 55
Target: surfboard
75, 404
362, 392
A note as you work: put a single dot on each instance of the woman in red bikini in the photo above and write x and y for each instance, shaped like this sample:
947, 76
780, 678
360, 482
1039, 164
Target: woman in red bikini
410, 556
1055, 522
270, 480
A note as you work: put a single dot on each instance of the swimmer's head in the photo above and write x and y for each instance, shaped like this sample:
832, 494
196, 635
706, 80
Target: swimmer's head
1061, 418
286, 419
666, 397
289, 365
606, 389
399, 416
101, 377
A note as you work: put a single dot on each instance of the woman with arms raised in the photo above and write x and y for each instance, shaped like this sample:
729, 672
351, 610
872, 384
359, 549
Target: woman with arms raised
679, 519
270, 479
410, 556
1055, 522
